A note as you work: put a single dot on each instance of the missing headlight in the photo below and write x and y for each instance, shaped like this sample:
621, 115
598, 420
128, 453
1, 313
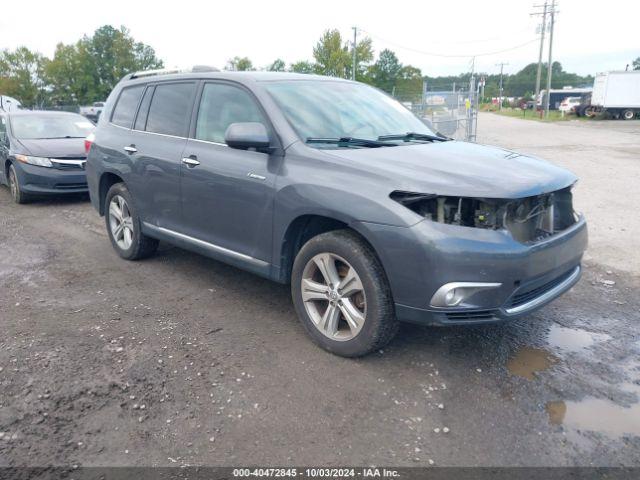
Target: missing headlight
468, 212
527, 219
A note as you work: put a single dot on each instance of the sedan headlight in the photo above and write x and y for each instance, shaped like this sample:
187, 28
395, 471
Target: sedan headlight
37, 161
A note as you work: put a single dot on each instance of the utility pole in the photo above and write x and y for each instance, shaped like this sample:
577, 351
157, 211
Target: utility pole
353, 63
543, 28
550, 64
502, 64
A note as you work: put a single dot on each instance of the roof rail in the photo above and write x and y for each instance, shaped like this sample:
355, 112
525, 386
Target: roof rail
167, 71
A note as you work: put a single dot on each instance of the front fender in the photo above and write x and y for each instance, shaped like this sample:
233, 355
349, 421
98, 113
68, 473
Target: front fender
349, 207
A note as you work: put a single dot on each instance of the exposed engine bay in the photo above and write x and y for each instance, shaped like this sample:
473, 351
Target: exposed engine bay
528, 219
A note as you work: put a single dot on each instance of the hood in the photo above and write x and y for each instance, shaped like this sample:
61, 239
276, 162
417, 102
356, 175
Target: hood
53, 147
459, 169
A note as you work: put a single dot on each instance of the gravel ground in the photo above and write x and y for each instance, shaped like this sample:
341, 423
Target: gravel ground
181, 360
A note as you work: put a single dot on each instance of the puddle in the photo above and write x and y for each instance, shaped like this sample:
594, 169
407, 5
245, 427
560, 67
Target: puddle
573, 339
528, 360
598, 415
556, 411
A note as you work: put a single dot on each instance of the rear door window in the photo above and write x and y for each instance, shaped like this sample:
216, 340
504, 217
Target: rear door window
220, 106
170, 109
126, 106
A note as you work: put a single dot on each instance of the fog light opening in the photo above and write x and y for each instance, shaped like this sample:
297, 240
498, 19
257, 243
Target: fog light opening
454, 294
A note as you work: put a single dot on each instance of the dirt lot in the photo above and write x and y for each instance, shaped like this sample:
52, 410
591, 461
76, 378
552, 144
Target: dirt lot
180, 360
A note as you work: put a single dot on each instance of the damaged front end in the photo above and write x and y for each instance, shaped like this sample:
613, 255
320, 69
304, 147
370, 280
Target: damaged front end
528, 220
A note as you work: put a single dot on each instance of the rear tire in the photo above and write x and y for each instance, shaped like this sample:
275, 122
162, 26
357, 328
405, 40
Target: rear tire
124, 226
17, 194
628, 114
359, 294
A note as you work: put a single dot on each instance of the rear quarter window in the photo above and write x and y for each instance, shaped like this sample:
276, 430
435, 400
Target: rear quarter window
126, 106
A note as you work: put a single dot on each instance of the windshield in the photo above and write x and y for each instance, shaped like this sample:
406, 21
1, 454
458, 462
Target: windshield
326, 109
49, 125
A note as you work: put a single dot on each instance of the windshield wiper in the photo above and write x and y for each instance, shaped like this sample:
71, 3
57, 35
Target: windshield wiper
57, 138
351, 141
414, 136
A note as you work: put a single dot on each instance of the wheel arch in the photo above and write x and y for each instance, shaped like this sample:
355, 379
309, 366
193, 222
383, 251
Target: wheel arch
302, 229
107, 180
7, 163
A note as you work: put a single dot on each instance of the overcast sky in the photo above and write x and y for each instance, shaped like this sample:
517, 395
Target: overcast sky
590, 36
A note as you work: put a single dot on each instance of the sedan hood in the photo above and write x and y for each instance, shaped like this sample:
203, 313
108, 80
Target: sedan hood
53, 147
459, 169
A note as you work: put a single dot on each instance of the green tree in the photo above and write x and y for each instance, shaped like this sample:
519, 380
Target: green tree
239, 64
108, 55
636, 64
364, 56
65, 76
385, 72
277, 66
21, 75
335, 58
88, 70
331, 56
302, 66
409, 83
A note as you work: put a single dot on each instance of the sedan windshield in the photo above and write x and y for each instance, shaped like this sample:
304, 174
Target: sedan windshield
339, 110
50, 125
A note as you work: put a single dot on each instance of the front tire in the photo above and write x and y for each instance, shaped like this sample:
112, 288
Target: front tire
124, 226
342, 296
17, 194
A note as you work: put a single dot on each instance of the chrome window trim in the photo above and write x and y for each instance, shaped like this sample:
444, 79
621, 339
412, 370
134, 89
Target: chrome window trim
160, 134
209, 142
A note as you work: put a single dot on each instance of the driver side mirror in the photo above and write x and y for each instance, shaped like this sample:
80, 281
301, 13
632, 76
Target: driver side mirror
247, 135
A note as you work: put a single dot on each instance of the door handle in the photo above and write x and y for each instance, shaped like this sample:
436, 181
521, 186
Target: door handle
130, 149
190, 162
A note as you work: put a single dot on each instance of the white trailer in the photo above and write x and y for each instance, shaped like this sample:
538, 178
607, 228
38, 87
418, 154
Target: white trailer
617, 93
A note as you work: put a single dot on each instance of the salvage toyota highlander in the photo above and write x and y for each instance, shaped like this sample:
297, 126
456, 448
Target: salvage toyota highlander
336, 188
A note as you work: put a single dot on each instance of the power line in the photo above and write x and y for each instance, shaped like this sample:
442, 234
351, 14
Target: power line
434, 54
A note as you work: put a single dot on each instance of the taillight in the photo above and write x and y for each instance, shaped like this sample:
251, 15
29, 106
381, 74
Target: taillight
88, 142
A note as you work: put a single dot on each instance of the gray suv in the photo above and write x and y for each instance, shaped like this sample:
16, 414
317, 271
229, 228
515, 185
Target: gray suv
336, 188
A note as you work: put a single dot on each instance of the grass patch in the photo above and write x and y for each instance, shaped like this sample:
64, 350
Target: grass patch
554, 115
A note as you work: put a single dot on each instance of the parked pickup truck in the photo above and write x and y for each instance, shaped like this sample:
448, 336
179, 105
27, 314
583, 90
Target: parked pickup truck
92, 112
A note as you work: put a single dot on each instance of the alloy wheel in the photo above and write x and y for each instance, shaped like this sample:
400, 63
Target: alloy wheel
333, 296
120, 222
13, 183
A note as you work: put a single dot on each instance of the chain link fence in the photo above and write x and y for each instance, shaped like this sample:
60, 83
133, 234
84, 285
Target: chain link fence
452, 112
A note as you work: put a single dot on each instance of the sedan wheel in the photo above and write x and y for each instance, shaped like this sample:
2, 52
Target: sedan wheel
14, 186
120, 222
333, 296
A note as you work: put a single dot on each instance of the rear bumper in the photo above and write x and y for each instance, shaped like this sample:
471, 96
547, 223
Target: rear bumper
50, 181
421, 259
